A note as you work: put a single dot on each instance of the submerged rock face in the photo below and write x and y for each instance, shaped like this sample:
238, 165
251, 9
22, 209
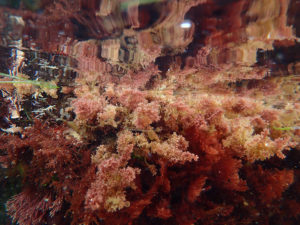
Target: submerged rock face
150, 111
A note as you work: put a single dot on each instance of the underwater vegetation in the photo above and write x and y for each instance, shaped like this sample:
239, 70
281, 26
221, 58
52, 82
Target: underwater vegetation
21, 80
150, 112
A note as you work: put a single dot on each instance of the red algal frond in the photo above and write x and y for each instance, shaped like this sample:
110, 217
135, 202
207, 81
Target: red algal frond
195, 188
177, 104
125, 145
130, 98
87, 107
246, 143
261, 146
140, 78
49, 163
270, 185
242, 106
108, 190
174, 149
145, 114
270, 115
179, 111
226, 174
31, 207
161, 209
107, 117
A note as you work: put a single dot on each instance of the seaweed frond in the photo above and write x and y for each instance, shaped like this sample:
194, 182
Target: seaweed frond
20, 80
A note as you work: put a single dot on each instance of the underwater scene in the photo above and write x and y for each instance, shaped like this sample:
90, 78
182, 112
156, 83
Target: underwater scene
149, 112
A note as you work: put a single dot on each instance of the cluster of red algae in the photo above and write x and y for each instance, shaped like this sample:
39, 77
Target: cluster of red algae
200, 143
